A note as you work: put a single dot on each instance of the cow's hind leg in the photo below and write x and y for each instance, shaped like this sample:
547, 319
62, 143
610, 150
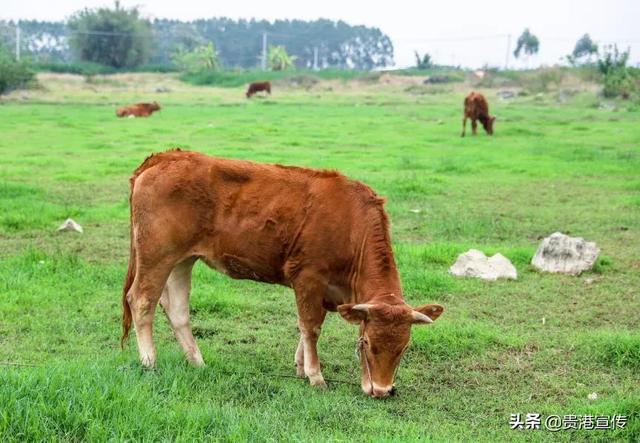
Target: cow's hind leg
175, 302
300, 357
464, 126
143, 297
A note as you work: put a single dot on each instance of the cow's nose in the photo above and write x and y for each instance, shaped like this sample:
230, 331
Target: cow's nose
383, 392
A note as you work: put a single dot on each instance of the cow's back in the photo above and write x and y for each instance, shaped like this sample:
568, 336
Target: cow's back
475, 105
243, 218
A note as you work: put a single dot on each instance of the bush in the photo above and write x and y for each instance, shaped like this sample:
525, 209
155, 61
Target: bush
618, 80
13, 74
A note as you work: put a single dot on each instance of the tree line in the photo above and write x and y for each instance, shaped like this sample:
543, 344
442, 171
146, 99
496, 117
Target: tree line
120, 38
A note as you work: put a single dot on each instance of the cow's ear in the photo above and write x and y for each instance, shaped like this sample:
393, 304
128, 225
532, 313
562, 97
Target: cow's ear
431, 311
354, 313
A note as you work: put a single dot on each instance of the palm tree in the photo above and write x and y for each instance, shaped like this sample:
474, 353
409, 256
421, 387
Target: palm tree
279, 60
527, 42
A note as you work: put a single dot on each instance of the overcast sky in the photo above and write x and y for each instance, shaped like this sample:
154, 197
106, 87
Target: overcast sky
470, 33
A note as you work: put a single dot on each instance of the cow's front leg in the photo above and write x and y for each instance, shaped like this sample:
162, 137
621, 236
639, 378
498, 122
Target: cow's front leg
311, 314
474, 126
310, 332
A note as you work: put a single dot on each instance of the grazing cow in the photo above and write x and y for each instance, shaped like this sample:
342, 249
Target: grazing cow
477, 108
257, 87
138, 110
316, 231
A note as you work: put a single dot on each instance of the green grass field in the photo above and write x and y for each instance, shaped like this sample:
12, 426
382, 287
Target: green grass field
540, 344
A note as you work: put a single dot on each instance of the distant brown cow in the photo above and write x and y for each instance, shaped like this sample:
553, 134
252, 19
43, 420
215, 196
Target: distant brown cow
257, 87
318, 232
477, 108
138, 110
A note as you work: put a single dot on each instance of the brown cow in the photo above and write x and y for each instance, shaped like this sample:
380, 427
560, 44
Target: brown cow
477, 108
323, 235
138, 110
257, 87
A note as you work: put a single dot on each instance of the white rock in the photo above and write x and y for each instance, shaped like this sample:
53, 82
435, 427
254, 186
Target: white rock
474, 263
70, 225
506, 95
593, 396
568, 255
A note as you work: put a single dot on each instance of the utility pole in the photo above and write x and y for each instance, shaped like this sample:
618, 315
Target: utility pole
18, 41
315, 58
506, 61
264, 51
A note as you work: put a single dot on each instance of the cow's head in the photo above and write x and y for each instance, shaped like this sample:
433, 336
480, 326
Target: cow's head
155, 106
489, 125
384, 335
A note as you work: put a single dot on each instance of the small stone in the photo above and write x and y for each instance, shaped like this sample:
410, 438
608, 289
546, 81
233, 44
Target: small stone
474, 263
593, 396
70, 225
506, 95
564, 254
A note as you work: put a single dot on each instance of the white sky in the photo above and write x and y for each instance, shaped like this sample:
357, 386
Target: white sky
448, 29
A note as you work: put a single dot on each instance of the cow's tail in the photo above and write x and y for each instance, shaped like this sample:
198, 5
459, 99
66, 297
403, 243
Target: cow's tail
131, 273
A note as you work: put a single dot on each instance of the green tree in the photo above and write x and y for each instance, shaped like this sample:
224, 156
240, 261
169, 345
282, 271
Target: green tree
115, 37
279, 60
583, 51
528, 43
425, 62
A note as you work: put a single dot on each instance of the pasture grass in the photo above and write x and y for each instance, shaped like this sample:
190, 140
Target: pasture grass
540, 344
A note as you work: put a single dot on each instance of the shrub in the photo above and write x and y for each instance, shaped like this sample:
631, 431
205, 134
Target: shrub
424, 62
13, 74
618, 80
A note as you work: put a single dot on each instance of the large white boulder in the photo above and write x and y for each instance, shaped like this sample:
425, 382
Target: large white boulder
474, 263
568, 255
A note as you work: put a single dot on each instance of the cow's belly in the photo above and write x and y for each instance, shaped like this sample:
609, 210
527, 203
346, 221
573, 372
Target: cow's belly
244, 268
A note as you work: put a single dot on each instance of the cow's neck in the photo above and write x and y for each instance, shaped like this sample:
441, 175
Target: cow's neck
375, 272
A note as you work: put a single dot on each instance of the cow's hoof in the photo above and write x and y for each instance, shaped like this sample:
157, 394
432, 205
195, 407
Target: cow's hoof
148, 362
196, 363
317, 381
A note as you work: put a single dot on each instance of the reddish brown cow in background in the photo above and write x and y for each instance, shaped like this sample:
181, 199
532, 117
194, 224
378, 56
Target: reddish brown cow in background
257, 87
477, 108
323, 235
138, 110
